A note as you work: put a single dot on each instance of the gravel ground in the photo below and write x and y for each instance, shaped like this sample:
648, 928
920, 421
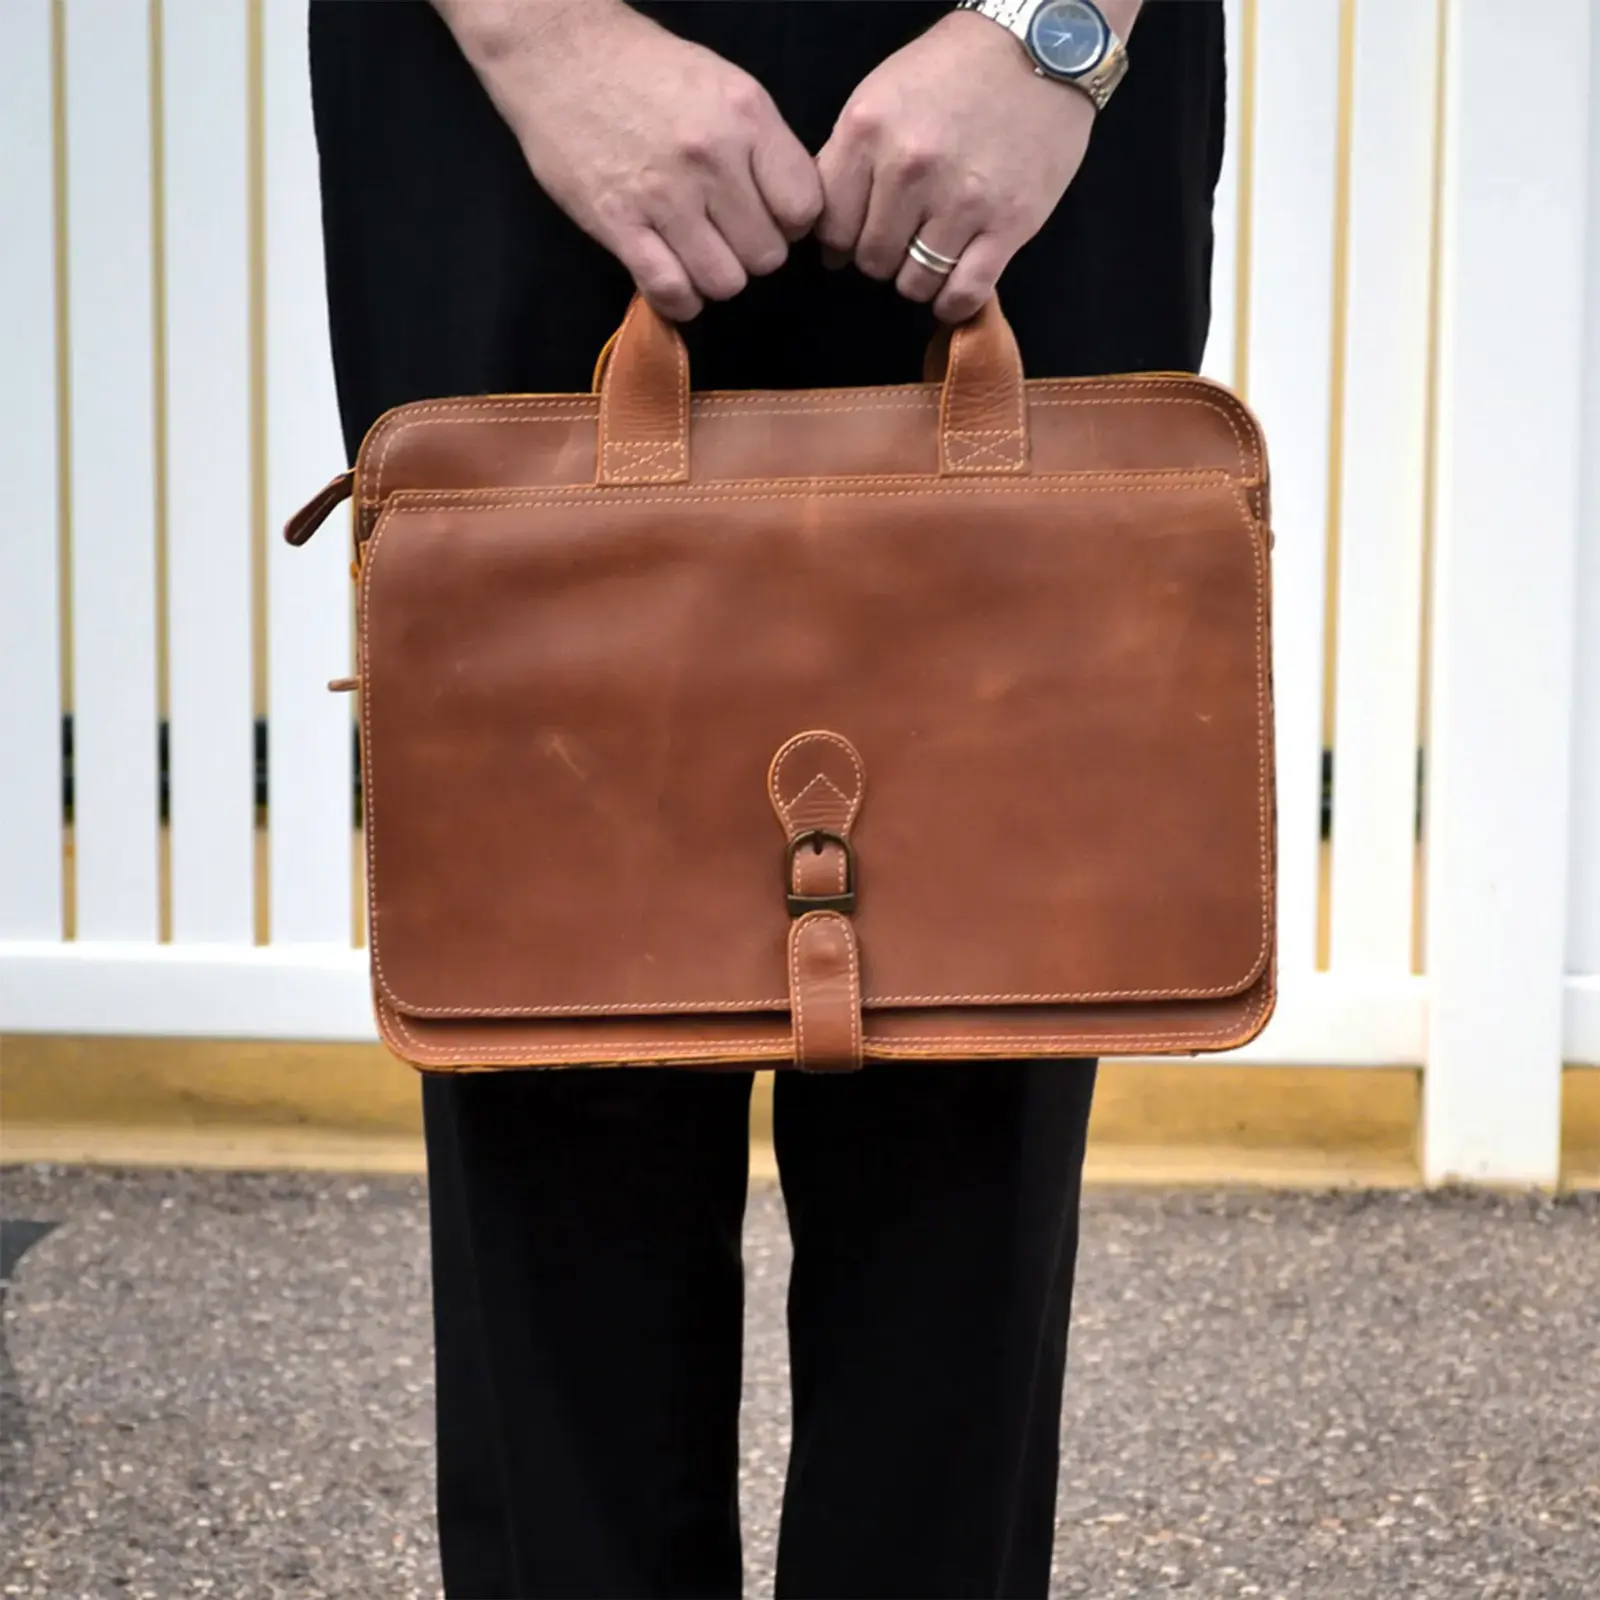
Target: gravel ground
220, 1384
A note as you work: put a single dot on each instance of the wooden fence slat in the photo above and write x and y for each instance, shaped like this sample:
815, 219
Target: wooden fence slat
1382, 511
323, 992
309, 734
30, 707
1510, 447
113, 468
206, 991
1289, 381
207, 255
1583, 907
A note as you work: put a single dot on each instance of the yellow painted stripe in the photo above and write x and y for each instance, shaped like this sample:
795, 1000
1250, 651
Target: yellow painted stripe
214, 1103
1580, 1128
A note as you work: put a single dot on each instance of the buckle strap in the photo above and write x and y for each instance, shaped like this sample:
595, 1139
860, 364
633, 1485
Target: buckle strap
816, 784
820, 870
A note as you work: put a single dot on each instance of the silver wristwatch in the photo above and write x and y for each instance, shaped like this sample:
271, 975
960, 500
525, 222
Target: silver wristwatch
1068, 40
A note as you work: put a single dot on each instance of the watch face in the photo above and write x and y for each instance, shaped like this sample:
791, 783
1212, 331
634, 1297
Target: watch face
1068, 38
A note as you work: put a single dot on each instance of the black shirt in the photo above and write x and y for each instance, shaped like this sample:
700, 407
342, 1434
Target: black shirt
449, 270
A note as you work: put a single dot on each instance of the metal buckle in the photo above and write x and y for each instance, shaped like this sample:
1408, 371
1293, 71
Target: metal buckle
800, 904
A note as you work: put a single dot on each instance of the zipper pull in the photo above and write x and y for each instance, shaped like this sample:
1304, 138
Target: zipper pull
314, 512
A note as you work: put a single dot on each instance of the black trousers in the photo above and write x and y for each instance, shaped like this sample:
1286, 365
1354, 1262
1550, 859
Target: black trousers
588, 1291
588, 1302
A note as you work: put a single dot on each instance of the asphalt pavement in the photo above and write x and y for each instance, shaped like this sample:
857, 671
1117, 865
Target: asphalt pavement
219, 1384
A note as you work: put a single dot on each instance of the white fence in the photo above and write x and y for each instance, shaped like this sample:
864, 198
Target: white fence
1409, 241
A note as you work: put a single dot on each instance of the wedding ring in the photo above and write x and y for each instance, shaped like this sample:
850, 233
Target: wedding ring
926, 256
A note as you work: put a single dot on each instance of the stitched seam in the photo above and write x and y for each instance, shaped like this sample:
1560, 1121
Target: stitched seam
828, 483
624, 457
669, 1050
853, 958
799, 741
1182, 1036
640, 451
950, 438
390, 1018
975, 453
605, 388
511, 409
734, 492
682, 354
945, 391
824, 781
1249, 455
368, 792
985, 449
739, 1008
637, 453
400, 501
1022, 416
797, 1004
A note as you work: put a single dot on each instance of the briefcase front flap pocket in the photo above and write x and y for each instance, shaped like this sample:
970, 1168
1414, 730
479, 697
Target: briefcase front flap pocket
1058, 689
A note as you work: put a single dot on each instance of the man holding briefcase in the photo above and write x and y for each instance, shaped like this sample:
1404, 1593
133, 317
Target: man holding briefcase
498, 177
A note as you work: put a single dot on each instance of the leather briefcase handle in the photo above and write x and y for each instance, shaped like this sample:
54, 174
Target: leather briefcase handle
642, 378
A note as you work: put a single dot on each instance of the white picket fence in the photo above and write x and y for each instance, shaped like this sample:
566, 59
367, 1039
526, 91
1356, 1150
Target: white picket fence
1409, 244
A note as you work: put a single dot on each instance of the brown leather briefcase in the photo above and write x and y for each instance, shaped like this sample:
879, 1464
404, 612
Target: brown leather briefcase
930, 721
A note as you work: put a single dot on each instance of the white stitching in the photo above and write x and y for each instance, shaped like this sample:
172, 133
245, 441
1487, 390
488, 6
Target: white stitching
952, 367
797, 743
625, 456
605, 387
853, 956
403, 499
986, 446
980, 458
1032, 1047
852, 803
733, 491
840, 483
823, 780
581, 1054
1040, 392
797, 1008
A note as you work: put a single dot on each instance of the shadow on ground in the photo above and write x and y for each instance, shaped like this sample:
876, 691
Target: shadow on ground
220, 1384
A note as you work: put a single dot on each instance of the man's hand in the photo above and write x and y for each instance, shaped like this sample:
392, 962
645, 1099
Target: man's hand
674, 159
956, 140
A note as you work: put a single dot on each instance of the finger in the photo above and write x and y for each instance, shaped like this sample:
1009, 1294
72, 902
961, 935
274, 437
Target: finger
659, 275
786, 178
846, 179
894, 209
739, 213
707, 257
917, 282
973, 281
